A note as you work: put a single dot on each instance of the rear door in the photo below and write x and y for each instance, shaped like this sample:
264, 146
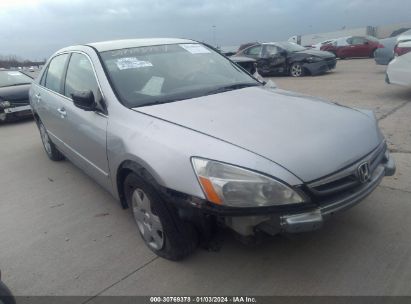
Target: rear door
47, 97
84, 132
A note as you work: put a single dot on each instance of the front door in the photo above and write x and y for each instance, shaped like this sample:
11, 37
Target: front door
273, 60
84, 132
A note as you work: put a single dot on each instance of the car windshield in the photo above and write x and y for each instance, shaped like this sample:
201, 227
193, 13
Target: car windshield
13, 78
290, 47
164, 73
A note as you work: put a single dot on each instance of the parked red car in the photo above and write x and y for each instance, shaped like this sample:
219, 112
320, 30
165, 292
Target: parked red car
354, 46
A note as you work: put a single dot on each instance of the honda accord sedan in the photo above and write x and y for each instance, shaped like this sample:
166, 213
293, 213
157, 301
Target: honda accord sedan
287, 58
188, 141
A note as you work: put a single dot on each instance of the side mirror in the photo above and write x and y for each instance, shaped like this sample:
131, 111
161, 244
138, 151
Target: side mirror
366, 42
84, 100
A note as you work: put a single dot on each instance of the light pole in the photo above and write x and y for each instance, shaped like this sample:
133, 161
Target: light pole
214, 35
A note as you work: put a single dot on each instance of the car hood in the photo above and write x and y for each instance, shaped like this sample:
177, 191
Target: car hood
316, 53
307, 136
15, 94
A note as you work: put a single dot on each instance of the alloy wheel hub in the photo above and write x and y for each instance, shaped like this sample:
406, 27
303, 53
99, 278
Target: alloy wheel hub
147, 222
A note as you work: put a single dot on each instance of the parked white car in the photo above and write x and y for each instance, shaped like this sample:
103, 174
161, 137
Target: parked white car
403, 44
406, 36
319, 45
399, 69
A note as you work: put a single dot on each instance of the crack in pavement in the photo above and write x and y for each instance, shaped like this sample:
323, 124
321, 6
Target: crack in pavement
395, 189
395, 109
400, 151
122, 279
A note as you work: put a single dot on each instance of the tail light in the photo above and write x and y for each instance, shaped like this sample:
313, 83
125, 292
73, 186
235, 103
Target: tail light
399, 50
380, 46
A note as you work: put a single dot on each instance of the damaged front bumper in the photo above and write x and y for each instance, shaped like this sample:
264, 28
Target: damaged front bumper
15, 111
313, 219
317, 68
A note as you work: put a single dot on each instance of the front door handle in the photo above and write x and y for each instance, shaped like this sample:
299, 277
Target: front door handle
62, 112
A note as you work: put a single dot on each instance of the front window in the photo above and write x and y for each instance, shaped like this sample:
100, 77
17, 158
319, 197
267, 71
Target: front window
80, 76
290, 47
166, 73
54, 76
373, 39
13, 78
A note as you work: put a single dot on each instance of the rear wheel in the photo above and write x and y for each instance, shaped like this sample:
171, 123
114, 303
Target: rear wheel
158, 223
52, 152
373, 54
296, 69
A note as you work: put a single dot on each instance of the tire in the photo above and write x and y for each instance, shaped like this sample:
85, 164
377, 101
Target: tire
52, 152
373, 53
5, 295
157, 222
296, 70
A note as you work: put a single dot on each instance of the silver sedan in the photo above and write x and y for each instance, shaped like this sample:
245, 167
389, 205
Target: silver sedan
188, 141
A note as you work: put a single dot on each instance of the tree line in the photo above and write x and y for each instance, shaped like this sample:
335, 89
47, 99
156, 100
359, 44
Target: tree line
12, 61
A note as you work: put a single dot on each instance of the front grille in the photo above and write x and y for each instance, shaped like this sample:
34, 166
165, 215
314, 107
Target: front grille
346, 179
18, 103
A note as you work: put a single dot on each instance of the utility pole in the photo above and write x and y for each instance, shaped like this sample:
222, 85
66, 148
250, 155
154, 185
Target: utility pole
214, 35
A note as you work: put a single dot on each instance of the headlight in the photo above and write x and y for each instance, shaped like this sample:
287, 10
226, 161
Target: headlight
232, 186
314, 59
5, 104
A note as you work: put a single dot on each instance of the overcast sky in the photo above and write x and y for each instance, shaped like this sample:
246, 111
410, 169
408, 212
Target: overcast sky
35, 29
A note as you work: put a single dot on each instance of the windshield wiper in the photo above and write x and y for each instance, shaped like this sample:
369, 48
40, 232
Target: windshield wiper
157, 102
214, 91
232, 87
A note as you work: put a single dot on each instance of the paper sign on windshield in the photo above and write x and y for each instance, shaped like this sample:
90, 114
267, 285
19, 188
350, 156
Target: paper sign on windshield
132, 63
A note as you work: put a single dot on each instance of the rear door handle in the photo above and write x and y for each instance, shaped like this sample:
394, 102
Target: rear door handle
38, 97
62, 112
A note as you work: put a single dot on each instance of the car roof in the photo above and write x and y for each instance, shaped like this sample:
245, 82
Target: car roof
132, 43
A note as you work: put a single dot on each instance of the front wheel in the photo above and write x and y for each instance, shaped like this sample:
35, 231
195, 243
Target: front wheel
158, 223
296, 69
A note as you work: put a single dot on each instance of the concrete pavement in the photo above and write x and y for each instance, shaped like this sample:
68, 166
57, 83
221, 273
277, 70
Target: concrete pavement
61, 234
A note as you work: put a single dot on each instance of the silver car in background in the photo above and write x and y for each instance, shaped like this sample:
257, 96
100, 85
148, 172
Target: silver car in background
189, 141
